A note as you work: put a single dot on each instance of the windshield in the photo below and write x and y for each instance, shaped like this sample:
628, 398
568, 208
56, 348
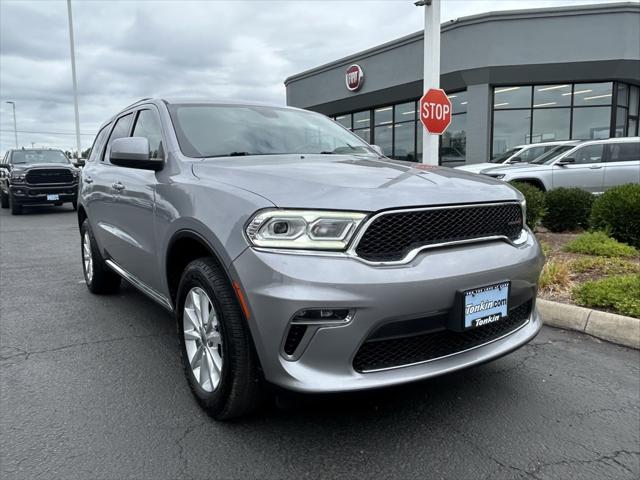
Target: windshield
551, 154
237, 130
504, 156
31, 157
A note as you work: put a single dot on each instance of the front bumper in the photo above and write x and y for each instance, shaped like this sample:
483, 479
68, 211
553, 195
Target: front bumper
278, 285
23, 193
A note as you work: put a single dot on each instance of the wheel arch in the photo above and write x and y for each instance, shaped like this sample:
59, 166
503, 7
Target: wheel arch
536, 182
185, 246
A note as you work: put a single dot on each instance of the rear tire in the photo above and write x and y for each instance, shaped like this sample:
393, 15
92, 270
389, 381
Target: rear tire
16, 208
234, 388
4, 200
97, 275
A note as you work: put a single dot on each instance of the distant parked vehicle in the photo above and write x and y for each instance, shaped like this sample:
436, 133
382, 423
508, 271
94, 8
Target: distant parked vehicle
593, 165
37, 177
518, 154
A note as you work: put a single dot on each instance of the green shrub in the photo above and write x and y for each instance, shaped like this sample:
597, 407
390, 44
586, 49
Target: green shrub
617, 211
599, 243
567, 209
620, 293
535, 202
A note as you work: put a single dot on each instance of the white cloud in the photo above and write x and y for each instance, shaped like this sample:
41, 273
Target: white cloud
218, 49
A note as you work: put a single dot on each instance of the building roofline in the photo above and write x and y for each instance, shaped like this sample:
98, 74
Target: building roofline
493, 16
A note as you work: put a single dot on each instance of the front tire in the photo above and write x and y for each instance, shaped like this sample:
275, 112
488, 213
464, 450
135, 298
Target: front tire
4, 200
218, 355
97, 275
16, 208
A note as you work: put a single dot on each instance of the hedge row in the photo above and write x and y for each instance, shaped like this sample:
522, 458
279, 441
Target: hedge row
616, 212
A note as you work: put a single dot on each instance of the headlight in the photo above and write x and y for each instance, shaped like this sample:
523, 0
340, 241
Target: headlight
74, 173
17, 177
303, 229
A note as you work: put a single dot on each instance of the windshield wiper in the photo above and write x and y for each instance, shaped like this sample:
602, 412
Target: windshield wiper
327, 153
238, 154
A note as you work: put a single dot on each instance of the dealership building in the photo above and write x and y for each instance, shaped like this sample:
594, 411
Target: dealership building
513, 77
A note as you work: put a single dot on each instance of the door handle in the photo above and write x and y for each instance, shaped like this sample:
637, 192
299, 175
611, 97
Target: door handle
87, 180
595, 167
118, 186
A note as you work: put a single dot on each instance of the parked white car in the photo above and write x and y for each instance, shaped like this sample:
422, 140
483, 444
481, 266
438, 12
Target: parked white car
518, 154
592, 165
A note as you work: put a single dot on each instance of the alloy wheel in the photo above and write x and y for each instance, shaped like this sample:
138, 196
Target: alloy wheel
203, 342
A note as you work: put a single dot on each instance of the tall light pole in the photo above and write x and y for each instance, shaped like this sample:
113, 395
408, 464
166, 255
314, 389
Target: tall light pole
431, 143
73, 74
15, 128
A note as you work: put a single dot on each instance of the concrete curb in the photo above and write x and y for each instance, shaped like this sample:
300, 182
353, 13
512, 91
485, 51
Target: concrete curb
607, 326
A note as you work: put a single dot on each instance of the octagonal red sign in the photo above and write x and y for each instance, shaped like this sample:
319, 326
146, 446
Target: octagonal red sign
435, 111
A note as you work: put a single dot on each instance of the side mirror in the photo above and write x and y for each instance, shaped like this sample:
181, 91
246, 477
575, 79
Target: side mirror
566, 161
378, 150
133, 152
515, 160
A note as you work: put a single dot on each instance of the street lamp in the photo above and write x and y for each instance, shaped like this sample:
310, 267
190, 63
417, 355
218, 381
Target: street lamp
15, 129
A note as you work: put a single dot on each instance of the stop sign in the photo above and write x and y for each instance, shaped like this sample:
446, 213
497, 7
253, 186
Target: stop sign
435, 111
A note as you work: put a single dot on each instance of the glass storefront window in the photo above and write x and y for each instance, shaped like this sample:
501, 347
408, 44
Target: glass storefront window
550, 124
344, 120
453, 147
552, 96
589, 123
623, 95
383, 138
589, 94
364, 133
512, 97
458, 102
633, 127
621, 122
510, 128
362, 119
634, 97
403, 144
419, 141
383, 116
405, 112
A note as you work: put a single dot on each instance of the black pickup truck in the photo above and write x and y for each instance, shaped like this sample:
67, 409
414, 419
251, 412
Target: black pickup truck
37, 177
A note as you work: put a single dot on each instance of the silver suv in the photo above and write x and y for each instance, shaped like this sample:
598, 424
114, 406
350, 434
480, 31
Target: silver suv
292, 253
593, 165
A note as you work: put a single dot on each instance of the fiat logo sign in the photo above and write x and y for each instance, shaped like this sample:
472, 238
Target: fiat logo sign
354, 78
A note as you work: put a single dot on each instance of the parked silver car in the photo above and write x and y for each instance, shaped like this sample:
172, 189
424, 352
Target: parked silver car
593, 165
518, 154
293, 253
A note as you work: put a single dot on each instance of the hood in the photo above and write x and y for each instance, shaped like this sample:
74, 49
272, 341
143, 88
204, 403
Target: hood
345, 182
476, 167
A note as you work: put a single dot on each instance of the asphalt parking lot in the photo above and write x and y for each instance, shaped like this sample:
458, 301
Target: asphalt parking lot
92, 387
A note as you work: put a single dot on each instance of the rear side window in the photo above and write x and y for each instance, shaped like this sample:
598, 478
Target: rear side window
148, 126
624, 152
98, 143
121, 129
589, 154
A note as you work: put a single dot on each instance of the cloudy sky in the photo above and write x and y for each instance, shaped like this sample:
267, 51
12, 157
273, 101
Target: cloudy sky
127, 49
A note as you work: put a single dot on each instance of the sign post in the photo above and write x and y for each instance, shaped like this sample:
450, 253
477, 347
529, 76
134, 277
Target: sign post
430, 142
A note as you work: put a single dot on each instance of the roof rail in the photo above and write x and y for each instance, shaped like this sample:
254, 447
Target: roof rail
136, 102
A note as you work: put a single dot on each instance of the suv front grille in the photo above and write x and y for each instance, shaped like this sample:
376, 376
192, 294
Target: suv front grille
395, 352
49, 176
391, 236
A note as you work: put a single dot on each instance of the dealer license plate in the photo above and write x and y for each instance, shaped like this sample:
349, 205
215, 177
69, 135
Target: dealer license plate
53, 196
486, 305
